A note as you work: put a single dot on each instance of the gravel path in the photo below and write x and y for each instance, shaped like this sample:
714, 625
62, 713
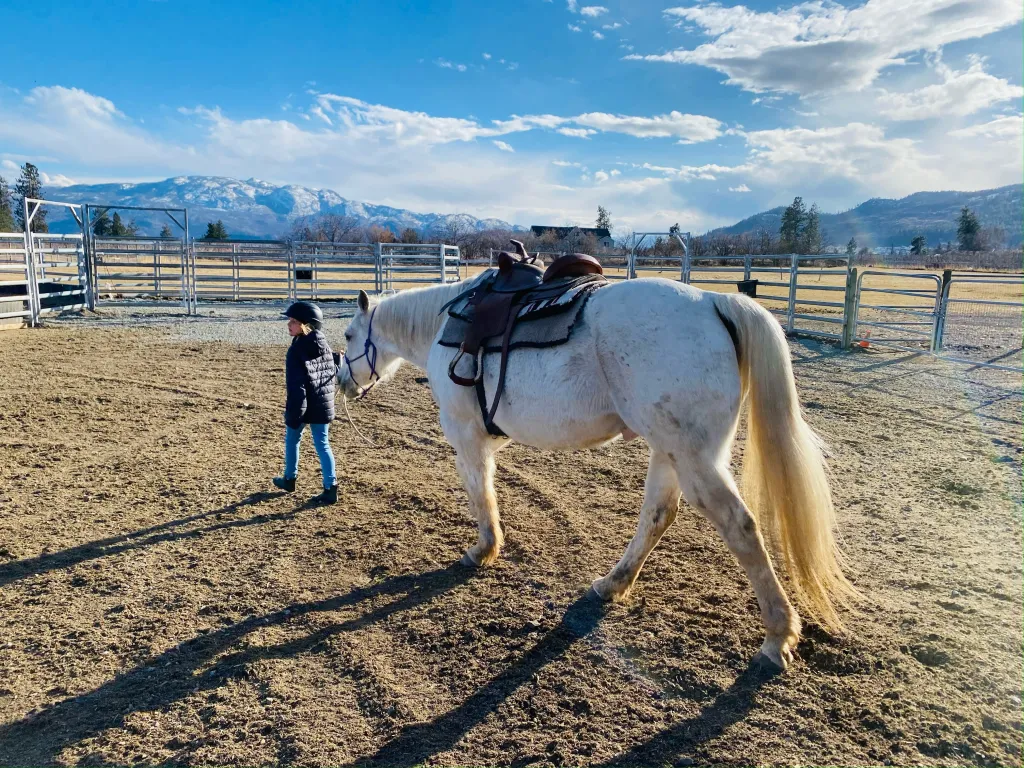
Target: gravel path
256, 323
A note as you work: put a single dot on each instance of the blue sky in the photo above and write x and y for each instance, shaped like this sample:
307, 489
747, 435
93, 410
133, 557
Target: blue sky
534, 111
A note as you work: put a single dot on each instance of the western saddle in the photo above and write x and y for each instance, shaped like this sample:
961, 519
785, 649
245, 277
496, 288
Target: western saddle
495, 305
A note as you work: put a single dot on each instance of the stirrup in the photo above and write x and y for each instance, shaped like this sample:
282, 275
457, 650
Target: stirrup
462, 380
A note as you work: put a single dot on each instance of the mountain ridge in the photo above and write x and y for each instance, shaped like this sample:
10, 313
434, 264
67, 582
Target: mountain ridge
881, 222
256, 209
249, 208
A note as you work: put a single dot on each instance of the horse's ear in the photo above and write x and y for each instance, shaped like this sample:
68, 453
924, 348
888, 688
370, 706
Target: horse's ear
364, 301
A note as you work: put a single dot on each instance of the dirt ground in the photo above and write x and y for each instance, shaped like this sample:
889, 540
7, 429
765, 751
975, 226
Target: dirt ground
160, 605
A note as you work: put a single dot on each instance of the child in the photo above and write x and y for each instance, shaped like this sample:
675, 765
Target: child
310, 371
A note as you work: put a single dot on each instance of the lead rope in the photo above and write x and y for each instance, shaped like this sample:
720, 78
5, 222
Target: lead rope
352, 424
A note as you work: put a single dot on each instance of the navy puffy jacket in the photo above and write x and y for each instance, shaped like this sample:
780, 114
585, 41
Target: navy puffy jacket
309, 376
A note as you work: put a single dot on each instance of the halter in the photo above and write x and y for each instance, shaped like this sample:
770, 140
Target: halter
370, 353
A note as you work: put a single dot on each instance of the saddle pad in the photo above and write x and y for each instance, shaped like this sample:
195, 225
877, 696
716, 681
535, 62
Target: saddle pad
546, 320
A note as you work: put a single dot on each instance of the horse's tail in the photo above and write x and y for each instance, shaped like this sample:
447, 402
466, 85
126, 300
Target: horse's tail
784, 479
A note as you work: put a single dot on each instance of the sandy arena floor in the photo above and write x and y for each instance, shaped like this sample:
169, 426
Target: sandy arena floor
160, 605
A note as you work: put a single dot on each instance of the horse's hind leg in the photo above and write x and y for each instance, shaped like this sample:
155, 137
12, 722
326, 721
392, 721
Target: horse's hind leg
661, 502
711, 489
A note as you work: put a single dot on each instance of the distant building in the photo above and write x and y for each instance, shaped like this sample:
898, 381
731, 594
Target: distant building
571, 236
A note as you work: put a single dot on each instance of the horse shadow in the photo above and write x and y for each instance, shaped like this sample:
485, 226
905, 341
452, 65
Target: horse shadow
417, 743
186, 669
684, 740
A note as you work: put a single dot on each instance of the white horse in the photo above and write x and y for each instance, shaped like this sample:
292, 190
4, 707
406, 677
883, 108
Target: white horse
660, 360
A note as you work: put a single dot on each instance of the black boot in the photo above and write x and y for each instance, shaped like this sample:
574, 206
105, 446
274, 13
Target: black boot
329, 496
286, 484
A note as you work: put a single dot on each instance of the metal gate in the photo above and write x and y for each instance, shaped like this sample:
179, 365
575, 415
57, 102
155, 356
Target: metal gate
981, 317
139, 267
899, 310
336, 270
237, 270
404, 265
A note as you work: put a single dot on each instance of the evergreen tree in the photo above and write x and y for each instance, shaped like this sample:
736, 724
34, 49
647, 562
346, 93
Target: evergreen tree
410, 235
29, 185
967, 230
6, 215
792, 224
166, 231
604, 218
216, 231
917, 245
851, 247
117, 227
810, 235
101, 226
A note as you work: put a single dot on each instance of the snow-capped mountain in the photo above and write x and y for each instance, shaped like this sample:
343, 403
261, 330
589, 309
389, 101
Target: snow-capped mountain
250, 208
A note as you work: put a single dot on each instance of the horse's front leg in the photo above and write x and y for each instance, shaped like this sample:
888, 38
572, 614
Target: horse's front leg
474, 459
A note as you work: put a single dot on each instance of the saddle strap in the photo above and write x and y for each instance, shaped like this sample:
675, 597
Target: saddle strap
481, 397
489, 417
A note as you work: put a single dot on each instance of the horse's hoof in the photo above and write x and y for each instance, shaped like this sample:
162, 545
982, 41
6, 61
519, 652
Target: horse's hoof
468, 561
770, 665
606, 593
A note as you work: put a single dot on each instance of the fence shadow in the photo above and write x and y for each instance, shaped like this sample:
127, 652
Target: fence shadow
172, 530
186, 669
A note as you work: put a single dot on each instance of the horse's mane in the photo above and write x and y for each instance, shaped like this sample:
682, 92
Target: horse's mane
414, 315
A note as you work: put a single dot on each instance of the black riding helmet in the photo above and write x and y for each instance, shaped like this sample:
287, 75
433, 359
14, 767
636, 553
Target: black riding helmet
306, 313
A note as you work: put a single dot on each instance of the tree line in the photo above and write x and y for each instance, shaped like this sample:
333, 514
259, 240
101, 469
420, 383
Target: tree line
12, 207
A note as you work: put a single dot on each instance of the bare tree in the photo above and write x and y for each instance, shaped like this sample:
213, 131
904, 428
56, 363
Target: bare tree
378, 234
327, 228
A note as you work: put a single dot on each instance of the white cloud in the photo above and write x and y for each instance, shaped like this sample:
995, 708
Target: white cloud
410, 159
819, 46
503, 146
959, 94
597, 35
487, 56
571, 5
1000, 129
616, 25
740, 188
513, 65
445, 64
688, 128
593, 11
56, 180
574, 28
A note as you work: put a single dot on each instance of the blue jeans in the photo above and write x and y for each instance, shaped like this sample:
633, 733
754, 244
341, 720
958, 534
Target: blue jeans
321, 441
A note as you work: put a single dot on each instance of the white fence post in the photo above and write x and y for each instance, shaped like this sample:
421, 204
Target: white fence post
794, 268
378, 267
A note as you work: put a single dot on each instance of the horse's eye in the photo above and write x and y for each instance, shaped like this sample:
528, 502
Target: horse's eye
348, 337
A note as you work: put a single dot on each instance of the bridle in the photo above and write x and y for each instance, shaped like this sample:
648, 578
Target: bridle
370, 353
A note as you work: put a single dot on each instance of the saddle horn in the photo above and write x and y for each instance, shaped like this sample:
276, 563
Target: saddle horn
521, 250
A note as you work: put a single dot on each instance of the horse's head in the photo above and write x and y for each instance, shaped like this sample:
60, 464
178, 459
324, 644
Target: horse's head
369, 356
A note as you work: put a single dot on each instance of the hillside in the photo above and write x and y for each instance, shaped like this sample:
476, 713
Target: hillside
881, 222
250, 208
